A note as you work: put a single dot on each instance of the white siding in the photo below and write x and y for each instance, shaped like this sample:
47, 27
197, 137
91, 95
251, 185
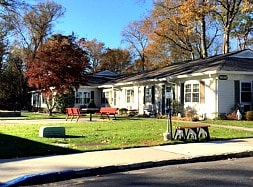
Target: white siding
158, 97
210, 105
226, 96
135, 105
121, 99
141, 95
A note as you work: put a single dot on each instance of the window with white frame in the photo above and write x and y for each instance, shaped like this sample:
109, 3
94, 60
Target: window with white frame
130, 96
83, 97
195, 93
192, 92
79, 97
187, 93
148, 95
86, 97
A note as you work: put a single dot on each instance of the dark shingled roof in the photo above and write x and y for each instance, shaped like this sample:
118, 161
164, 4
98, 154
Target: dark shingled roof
96, 79
237, 61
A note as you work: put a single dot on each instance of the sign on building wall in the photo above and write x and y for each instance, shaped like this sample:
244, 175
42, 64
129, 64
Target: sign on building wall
223, 77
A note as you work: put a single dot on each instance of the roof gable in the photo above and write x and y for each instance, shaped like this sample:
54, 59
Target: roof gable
243, 54
106, 73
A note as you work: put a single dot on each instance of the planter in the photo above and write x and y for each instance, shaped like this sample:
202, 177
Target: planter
10, 113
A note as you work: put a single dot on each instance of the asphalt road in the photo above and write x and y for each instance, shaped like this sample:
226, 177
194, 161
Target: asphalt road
225, 173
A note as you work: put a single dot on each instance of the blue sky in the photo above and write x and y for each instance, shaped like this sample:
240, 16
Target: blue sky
100, 19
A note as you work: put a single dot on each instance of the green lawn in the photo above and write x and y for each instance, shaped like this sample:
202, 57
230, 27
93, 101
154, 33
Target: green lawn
243, 123
20, 140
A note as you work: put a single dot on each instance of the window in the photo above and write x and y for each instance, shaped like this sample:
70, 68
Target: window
130, 96
148, 95
35, 99
246, 92
86, 97
191, 92
195, 93
188, 93
83, 97
79, 96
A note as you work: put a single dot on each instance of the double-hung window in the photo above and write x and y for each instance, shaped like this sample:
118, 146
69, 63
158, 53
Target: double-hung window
130, 96
195, 93
192, 93
79, 97
246, 92
86, 97
148, 95
83, 97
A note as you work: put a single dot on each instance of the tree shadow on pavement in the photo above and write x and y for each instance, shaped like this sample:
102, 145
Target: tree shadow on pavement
16, 147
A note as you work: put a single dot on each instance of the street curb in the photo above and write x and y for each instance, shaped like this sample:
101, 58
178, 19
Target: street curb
50, 177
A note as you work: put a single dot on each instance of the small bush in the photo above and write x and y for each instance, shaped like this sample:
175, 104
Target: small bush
222, 116
123, 111
249, 115
195, 118
92, 104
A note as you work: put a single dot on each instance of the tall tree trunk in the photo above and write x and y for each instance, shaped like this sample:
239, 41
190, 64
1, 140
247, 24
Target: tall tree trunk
203, 38
226, 35
143, 62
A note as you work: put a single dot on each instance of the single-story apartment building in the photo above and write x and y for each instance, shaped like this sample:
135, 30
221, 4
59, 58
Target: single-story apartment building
207, 87
87, 91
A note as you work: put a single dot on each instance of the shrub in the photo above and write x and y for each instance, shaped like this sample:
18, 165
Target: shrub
249, 115
64, 101
92, 104
123, 111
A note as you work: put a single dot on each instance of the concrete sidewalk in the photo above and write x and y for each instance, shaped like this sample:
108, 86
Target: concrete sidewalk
25, 171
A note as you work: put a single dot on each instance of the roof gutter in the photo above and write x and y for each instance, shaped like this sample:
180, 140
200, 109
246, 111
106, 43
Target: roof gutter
170, 79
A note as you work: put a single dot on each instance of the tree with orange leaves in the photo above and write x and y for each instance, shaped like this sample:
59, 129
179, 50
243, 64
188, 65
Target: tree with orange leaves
192, 29
57, 68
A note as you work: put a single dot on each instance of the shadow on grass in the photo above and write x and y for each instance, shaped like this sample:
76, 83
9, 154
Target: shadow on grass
127, 118
16, 147
71, 136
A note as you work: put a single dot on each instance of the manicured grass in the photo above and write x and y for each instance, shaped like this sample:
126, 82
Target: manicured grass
33, 115
242, 123
20, 140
